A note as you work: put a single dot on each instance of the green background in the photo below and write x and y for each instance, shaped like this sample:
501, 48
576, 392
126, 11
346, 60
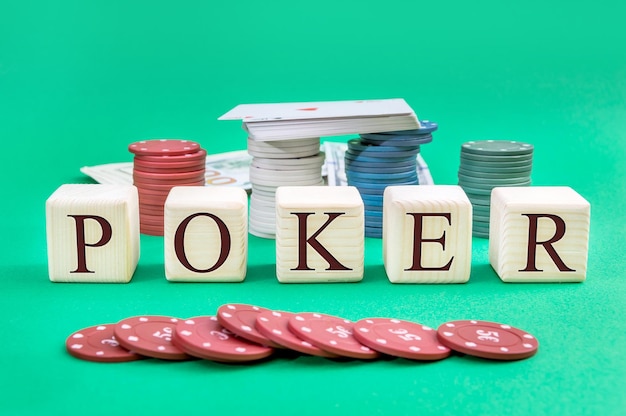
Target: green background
81, 80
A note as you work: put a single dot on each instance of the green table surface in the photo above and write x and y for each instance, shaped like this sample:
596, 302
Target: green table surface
81, 80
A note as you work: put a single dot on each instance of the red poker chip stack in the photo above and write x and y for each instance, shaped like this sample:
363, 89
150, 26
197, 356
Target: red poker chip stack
158, 166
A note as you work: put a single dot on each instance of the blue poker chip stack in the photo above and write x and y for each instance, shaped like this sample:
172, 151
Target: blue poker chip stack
377, 160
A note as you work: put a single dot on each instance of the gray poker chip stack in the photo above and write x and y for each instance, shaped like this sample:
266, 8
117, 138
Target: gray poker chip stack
487, 164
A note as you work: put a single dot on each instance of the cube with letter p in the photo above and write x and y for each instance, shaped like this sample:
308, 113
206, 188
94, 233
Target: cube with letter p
539, 234
427, 234
93, 233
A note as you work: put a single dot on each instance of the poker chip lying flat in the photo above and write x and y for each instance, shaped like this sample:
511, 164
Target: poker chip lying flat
275, 326
204, 337
330, 333
162, 147
240, 319
497, 147
487, 340
98, 343
150, 336
400, 338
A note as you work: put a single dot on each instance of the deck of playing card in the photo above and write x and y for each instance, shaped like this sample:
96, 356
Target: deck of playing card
285, 121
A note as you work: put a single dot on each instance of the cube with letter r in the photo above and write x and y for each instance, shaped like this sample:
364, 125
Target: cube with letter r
539, 234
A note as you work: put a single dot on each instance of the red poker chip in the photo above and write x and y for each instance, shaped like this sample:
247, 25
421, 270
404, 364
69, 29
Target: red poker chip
196, 156
152, 167
330, 333
177, 176
98, 343
150, 336
153, 231
161, 147
153, 200
152, 192
171, 182
151, 210
400, 338
240, 319
488, 340
204, 337
162, 187
274, 326
151, 219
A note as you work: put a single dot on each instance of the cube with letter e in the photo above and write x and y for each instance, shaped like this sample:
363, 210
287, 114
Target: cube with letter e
93, 233
539, 234
427, 234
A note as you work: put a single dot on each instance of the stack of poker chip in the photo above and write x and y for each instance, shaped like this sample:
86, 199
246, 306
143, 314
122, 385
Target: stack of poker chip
277, 163
486, 164
377, 160
158, 166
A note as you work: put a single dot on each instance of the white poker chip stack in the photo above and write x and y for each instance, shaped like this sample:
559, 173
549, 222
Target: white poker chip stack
277, 163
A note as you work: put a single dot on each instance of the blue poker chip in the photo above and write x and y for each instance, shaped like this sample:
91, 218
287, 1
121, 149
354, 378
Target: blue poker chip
398, 141
376, 222
370, 191
411, 179
426, 126
381, 164
373, 208
372, 200
359, 146
382, 155
390, 169
367, 159
374, 232
380, 175
382, 185
373, 215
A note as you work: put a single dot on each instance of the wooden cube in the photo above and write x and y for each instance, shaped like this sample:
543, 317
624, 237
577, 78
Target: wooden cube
93, 233
206, 234
427, 234
539, 234
320, 234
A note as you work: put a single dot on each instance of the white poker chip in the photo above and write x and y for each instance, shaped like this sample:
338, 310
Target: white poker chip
299, 182
272, 175
300, 153
317, 160
272, 149
282, 144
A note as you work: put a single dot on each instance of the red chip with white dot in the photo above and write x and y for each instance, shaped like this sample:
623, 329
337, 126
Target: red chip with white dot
240, 319
98, 343
205, 338
330, 333
274, 325
400, 338
162, 147
150, 336
488, 340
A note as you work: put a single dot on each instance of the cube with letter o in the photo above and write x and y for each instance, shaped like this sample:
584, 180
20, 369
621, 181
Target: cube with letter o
206, 234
